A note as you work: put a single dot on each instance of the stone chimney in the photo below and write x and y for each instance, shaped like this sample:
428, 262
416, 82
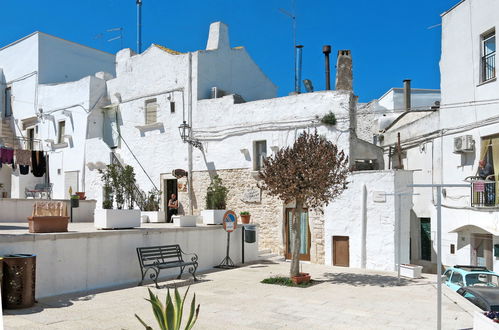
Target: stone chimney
344, 75
218, 37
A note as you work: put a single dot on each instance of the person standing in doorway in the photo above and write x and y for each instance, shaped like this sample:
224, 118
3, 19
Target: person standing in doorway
172, 207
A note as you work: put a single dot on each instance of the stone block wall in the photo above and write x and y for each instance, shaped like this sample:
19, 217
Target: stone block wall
268, 212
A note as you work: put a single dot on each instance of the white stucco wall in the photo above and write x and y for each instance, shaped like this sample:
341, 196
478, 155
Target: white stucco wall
86, 261
343, 217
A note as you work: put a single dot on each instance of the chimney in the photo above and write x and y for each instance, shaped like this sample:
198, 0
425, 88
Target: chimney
407, 94
218, 37
344, 76
326, 49
298, 68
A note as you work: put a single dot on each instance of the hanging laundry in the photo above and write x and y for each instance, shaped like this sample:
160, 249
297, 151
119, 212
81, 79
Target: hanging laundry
23, 157
38, 163
23, 169
6, 156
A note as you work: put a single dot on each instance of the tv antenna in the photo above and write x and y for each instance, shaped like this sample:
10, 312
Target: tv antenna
293, 27
120, 36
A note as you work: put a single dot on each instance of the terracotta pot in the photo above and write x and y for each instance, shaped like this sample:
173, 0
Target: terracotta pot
245, 218
48, 224
81, 195
301, 278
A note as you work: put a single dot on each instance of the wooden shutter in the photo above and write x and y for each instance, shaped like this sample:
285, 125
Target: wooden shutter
151, 111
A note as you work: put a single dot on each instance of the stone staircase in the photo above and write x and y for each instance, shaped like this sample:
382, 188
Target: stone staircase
7, 134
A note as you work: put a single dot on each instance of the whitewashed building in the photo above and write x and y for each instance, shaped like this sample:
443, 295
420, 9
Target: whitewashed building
47, 87
132, 114
445, 145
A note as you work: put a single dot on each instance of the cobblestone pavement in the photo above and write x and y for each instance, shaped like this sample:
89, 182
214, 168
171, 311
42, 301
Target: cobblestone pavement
344, 298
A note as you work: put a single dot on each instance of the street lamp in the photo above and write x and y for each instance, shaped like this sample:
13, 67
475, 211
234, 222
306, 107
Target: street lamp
185, 134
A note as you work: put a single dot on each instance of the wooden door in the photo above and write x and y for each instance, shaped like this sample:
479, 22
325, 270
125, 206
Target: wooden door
341, 253
304, 232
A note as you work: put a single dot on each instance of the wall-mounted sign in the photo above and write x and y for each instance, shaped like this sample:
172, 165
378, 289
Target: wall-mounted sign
251, 196
478, 186
182, 187
230, 221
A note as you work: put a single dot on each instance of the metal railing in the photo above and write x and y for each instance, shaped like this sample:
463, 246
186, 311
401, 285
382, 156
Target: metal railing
489, 66
139, 196
483, 192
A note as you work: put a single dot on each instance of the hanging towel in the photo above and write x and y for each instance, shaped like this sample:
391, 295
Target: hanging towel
6, 156
38, 163
23, 169
23, 157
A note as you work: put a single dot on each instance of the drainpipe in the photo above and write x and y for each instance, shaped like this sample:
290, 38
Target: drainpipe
407, 94
326, 49
189, 119
363, 227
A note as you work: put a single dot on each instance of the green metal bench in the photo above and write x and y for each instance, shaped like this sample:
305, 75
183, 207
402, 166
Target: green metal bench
156, 258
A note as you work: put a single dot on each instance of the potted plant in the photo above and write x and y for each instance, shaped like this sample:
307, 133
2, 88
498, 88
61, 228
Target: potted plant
75, 201
81, 195
245, 217
116, 191
301, 278
216, 196
151, 212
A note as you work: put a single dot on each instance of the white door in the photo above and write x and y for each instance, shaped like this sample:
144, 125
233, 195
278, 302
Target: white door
70, 180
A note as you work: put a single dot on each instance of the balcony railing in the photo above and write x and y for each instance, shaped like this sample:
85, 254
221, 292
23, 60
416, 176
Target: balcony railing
489, 66
483, 192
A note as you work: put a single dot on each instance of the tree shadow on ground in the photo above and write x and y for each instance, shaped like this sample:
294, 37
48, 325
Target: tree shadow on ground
366, 280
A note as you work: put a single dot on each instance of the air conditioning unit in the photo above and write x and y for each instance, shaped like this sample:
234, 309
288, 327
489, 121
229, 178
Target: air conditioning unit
464, 143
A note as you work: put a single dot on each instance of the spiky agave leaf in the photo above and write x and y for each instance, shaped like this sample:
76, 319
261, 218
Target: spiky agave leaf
193, 315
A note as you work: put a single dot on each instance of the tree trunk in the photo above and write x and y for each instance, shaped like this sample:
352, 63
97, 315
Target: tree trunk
296, 239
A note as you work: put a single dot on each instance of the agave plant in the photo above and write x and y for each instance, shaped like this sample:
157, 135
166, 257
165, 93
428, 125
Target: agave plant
169, 316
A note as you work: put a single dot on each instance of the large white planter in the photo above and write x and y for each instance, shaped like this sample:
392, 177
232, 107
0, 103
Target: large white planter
213, 217
114, 219
185, 220
411, 271
153, 216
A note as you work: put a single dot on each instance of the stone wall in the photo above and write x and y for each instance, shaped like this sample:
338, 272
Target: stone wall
268, 212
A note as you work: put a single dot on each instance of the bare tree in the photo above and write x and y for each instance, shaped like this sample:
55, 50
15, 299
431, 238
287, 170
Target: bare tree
312, 173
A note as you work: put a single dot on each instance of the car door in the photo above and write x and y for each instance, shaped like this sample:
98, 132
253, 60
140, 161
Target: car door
456, 281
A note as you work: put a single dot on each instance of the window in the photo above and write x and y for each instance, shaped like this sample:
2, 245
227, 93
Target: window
259, 154
61, 131
425, 228
488, 56
30, 133
172, 107
457, 279
452, 249
151, 111
447, 275
8, 102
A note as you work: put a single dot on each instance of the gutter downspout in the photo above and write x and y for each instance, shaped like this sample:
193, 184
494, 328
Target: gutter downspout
363, 228
189, 152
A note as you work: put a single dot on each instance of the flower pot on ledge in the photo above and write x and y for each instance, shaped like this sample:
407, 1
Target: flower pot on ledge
153, 216
245, 218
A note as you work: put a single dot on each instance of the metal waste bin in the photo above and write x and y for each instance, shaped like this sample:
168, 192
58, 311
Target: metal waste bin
250, 233
19, 275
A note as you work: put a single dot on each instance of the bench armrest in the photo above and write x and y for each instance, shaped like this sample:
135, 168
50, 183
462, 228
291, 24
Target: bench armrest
194, 257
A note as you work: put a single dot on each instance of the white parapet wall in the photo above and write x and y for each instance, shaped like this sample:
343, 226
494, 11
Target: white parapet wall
81, 261
18, 210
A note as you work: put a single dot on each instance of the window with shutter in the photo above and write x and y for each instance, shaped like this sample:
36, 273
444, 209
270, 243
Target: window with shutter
151, 111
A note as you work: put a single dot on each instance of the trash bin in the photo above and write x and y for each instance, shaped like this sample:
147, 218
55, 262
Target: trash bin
18, 287
250, 233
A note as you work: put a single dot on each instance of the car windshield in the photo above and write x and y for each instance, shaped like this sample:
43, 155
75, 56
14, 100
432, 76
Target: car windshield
481, 279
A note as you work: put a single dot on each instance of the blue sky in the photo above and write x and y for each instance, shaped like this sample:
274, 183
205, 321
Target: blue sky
390, 40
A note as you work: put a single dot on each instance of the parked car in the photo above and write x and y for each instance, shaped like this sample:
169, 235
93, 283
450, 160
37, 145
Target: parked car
486, 298
470, 276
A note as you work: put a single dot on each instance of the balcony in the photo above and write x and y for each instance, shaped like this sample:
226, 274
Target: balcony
483, 192
489, 66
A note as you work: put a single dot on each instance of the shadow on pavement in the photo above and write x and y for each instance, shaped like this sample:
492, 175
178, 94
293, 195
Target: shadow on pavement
365, 279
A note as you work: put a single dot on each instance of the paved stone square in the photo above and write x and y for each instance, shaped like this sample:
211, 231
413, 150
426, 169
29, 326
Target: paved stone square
235, 299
